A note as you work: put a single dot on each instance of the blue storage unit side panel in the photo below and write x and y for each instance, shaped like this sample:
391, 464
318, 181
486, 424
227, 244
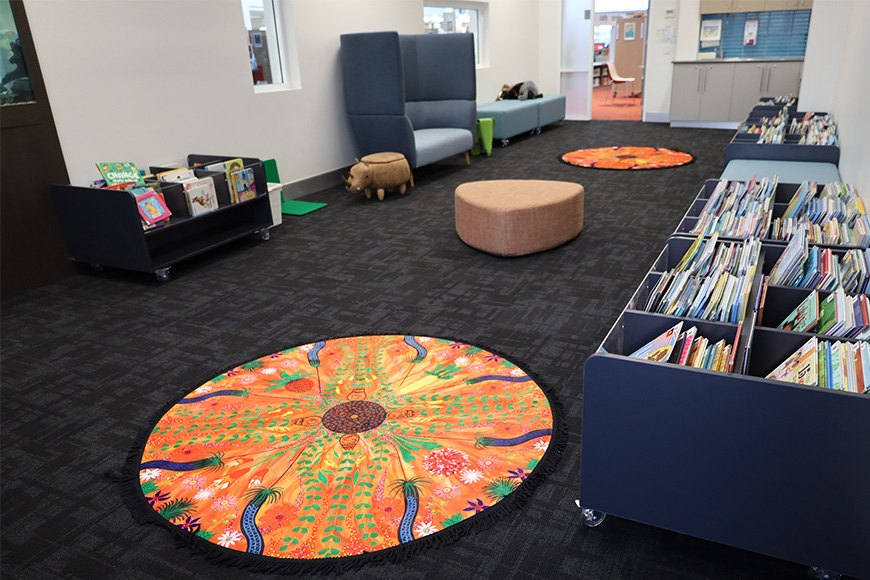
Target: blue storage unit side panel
770, 467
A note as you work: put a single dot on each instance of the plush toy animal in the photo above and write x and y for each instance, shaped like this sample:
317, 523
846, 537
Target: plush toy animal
379, 172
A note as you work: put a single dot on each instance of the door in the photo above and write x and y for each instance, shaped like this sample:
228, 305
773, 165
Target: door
628, 51
576, 64
783, 79
686, 92
747, 89
716, 92
32, 252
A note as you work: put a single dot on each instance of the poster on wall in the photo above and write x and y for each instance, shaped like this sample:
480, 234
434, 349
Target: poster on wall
629, 30
711, 30
750, 32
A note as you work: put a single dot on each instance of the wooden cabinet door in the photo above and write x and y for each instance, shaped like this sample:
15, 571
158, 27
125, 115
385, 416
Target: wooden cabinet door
773, 5
782, 79
747, 88
748, 6
716, 6
716, 84
686, 92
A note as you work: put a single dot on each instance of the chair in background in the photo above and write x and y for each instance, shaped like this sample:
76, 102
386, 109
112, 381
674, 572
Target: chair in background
616, 79
410, 94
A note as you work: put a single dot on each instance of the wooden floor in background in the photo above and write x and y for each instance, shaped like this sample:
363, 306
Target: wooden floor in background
605, 108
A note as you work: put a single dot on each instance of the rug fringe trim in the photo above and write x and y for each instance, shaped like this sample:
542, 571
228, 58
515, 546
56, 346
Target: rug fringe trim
143, 514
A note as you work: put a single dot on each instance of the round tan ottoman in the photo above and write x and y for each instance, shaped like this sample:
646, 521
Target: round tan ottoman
517, 217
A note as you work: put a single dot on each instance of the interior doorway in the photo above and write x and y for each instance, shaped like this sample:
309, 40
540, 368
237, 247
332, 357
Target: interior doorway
619, 40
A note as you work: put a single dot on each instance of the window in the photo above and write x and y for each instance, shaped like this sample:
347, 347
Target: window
265, 41
15, 85
459, 18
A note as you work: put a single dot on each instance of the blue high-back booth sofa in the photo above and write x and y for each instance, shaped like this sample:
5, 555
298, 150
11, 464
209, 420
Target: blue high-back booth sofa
412, 94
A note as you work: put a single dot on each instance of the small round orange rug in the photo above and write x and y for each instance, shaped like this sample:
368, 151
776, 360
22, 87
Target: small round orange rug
345, 449
627, 158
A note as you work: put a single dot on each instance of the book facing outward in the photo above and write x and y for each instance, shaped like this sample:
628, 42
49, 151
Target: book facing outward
686, 348
659, 349
801, 367
805, 316
116, 174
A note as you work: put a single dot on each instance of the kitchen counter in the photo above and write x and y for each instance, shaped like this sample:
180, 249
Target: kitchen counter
711, 60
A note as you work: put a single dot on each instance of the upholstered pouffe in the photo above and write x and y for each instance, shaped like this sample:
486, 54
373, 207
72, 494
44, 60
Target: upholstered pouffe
518, 217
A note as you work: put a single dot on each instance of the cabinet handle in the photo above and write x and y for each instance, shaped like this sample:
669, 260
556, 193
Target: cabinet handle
769, 74
704, 89
761, 86
700, 69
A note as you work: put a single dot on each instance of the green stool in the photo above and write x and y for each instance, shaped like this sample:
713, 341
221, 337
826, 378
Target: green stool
484, 136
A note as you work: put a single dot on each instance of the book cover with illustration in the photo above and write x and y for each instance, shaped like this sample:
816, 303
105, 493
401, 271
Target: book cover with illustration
181, 174
243, 184
801, 367
659, 349
805, 316
152, 207
119, 173
200, 195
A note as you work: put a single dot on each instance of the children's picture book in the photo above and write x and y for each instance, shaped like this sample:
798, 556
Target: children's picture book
151, 206
200, 195
176, 174
243, 184
118, 173
805, 316
660, 348
801, 367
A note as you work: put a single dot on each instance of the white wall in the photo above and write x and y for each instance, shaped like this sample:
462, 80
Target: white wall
662, 19
840, 83
150, 81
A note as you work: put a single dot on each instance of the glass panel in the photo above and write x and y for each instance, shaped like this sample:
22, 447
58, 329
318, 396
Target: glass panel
15, 87
264, 50
446, 20
575, 87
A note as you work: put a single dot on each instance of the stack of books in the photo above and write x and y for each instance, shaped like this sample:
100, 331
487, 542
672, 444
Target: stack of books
803, 266
240, 180
712, 281
126, 176
837, 315
738, 209
199, 192
687, 348
815, 129
834, 216
842, 366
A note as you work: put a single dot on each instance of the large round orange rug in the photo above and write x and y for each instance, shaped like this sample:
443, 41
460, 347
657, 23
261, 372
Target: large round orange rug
344, 450
627, 158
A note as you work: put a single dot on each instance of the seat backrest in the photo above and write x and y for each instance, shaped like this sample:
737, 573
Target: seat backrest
440, 80
614, 76
371, 64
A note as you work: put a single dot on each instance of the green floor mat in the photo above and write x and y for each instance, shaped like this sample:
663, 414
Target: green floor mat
294, 207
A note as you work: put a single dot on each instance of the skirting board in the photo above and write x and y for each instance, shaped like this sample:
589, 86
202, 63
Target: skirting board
301, 188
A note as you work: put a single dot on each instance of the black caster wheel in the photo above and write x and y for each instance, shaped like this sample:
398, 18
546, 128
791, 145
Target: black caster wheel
97, 267
821, 574
591, 518
163, 274
504, 142
265, 234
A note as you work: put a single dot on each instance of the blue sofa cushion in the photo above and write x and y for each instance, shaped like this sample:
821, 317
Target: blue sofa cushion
512, 117
435, 114
786, 171
436, 144
551, 108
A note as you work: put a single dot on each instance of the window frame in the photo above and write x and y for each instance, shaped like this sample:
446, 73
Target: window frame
482, 38
282, 43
